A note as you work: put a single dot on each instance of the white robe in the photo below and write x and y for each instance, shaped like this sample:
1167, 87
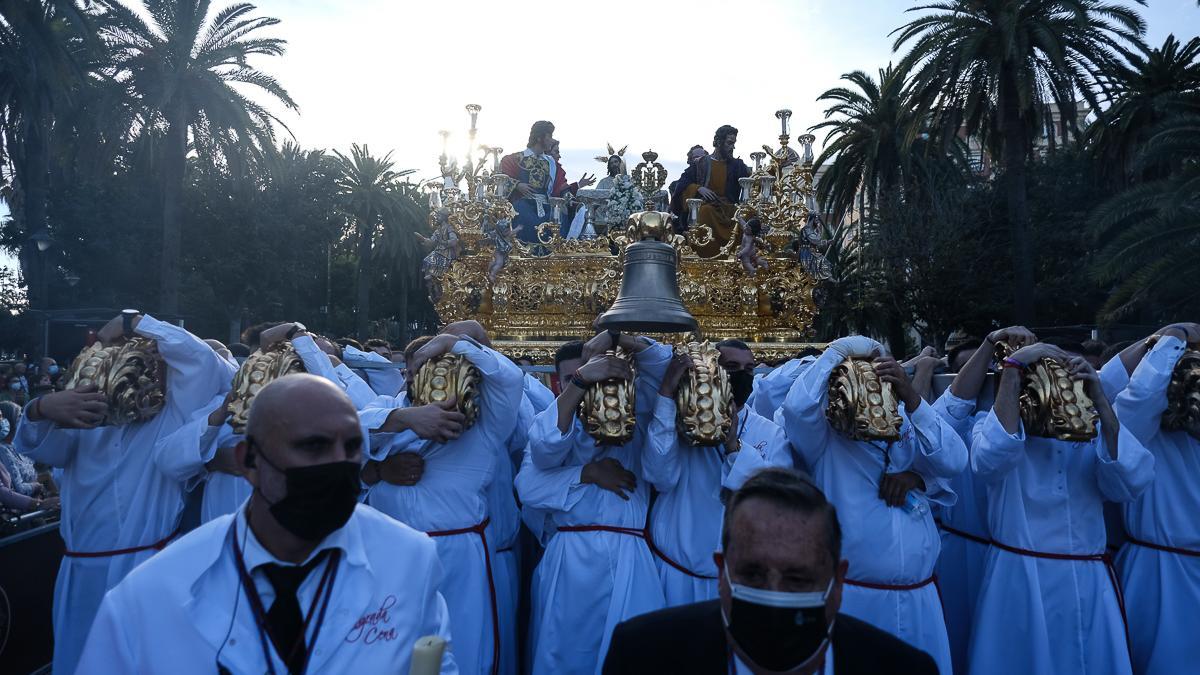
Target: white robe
884, 545
1162, 589
453, 494
185, 611
588, 582
961, 563
685, 521
122, 487
503, 529
385, 381
1044, 616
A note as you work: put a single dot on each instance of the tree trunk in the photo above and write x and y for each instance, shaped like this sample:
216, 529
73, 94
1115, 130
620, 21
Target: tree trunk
174, 164
363, 309
35, 186
1016, 149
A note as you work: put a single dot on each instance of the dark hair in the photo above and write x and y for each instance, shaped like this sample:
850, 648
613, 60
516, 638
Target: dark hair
808, 351
567, 351
349, 342
1093, 348
238, 349
792, 490
540, 128
251, 335
967, 345
413, 346
1114, 349
733, 343
1065, 343
687, 158
379, 342
722, 132
11, 412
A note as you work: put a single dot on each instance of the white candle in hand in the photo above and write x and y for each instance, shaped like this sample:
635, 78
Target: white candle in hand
427, 656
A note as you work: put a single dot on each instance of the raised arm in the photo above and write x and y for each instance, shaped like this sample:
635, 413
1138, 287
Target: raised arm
1141, 405
196, 372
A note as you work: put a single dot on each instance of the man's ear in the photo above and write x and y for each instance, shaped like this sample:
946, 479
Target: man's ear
245, 456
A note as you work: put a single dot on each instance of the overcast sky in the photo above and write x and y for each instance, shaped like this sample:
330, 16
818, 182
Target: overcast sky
649, 73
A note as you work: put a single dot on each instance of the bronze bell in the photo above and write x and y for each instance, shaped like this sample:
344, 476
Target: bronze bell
648, 301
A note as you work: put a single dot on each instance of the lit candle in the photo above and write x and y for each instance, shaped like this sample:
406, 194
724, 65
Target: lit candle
473, 110
427, 656
557, 203
496, 158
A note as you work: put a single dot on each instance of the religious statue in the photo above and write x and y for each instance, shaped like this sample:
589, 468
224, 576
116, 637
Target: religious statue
538, 179
715, 180
445, 248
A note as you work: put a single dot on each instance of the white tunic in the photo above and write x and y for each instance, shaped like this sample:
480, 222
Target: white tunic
186, 611
122, 487
1162, 589
685, 521
965, 535
588, 582
884, 545
502, 533
1046, 616
386, 381
453, 495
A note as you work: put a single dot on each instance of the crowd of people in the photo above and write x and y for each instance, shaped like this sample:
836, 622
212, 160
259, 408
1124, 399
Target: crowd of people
345, 521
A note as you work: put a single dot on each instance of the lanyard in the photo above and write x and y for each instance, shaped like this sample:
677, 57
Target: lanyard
260, 614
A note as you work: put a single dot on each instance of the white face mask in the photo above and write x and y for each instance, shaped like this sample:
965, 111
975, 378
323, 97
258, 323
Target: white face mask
5, 427
777, 630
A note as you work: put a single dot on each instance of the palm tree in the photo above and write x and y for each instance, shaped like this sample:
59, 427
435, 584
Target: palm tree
1151, 232
183, 70
43, 61
371, 196
990, 67
1143, 91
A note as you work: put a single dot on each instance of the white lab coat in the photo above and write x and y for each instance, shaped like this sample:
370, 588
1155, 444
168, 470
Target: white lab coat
685, 521
961, 563
453, 494
186, 611
1162, 588
122, 486
1046, 616
588, 582
884, 545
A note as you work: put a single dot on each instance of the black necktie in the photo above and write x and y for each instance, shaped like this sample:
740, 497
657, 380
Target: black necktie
285, 622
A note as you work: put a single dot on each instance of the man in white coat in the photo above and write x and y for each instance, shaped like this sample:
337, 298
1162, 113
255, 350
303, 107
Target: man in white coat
685, 518
1160, 562
449, 497
1049, 602
122, 487
965, 537
882, 492
597, 570
301, 579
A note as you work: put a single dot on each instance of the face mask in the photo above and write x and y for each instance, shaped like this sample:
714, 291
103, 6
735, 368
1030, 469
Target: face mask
776, 630
53, 370
15, 386
741, 383
320, 498
5, 427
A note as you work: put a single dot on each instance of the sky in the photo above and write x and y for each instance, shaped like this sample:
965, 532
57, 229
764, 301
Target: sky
660, 75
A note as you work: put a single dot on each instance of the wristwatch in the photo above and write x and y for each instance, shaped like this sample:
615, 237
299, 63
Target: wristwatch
127, 317
577, 381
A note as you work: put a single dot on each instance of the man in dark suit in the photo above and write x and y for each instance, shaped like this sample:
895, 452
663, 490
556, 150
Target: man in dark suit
780, 589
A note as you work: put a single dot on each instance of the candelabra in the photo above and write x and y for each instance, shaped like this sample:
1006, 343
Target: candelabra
779, 191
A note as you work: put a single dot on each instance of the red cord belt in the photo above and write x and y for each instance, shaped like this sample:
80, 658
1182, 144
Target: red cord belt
893, 587
1165, 549
157, 546
645, 535
962, 534
479, 529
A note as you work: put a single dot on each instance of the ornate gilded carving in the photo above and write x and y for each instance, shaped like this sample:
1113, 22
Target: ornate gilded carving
131, 375
608, 408
1052, 404
1183, 395
449, 376
259, 370
861, 405
704, 400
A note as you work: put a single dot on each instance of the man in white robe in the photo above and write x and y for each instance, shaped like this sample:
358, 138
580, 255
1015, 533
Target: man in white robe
882, 492
217, 599
449, 499
122, 488
1160, 562
597, 570
965, 537
685, 519
1049, 603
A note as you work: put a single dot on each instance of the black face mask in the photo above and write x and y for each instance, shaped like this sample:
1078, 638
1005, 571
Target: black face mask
741, 383
320, 498
778, 631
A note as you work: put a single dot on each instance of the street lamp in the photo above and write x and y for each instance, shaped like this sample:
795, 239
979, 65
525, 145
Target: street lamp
71, 278
42, 239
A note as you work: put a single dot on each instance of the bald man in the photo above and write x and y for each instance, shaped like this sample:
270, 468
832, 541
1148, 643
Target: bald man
302, 577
